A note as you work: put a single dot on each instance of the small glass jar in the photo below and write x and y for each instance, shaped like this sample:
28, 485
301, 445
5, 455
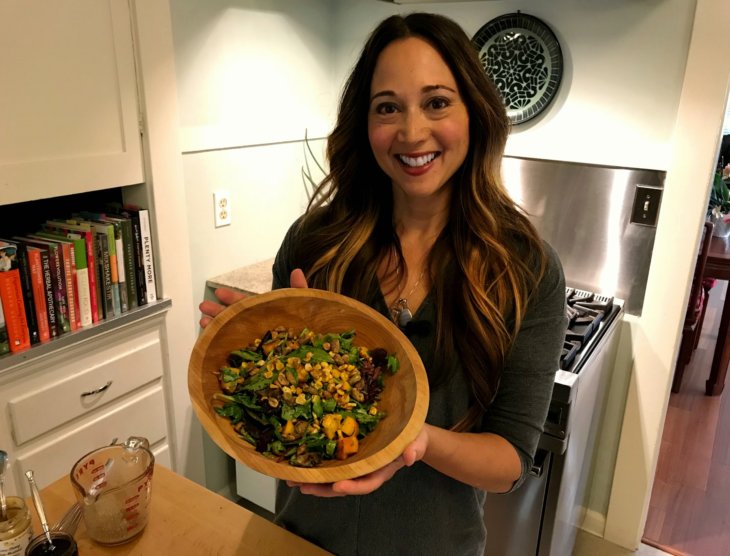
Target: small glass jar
16, 531
62, 544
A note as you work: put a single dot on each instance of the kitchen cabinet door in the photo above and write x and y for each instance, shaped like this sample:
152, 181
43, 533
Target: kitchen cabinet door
68, 101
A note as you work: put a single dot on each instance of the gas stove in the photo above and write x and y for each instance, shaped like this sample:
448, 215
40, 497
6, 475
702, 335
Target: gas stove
588, 315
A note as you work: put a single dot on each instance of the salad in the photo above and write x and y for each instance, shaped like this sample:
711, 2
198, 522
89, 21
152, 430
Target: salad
306, 397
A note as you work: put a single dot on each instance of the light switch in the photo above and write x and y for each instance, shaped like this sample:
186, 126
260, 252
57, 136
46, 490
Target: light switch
646, 205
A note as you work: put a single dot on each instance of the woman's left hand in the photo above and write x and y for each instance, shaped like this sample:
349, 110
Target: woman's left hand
372, 481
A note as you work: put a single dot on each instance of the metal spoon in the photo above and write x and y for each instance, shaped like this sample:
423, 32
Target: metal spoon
39, 508
3, 502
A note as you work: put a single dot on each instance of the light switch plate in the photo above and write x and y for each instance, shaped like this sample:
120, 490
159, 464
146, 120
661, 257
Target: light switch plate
645, 210
222, 208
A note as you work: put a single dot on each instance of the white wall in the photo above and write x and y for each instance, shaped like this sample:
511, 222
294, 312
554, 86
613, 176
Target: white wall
654, 337
252, 73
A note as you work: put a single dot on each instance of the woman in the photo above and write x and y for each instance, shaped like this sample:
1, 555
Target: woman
413, 220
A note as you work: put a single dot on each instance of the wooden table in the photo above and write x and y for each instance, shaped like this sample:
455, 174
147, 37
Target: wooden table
185, 518
718, 266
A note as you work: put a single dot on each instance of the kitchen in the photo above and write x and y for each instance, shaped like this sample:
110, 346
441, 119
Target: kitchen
607, 111
244, 108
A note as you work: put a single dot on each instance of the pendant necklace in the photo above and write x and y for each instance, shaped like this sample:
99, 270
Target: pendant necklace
400, 312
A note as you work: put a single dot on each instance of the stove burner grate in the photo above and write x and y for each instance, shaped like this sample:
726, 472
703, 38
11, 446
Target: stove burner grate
585, 312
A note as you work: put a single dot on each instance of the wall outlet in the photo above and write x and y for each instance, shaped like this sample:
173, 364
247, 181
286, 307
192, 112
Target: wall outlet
222, 208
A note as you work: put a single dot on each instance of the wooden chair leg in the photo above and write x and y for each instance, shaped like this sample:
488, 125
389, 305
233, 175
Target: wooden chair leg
698, 328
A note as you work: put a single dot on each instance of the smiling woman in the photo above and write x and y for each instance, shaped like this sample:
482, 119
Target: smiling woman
418, 126
414, 221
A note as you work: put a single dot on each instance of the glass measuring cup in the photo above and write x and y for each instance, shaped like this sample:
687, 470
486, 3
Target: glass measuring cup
113, 486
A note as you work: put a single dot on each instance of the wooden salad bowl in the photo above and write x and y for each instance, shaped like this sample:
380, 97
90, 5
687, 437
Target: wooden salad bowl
405, 394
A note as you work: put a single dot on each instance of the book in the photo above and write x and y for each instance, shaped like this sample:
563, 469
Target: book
143, 246
77, 248
66, 252
114, 215
11, 297
74, 231
50, 306
35, 266
148, 255
103, 262
120, 262
58, 280
138, 260
110, 245
126, 262
99, 222
21, 255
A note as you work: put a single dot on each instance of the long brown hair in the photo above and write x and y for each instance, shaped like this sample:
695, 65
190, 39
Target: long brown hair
488, 258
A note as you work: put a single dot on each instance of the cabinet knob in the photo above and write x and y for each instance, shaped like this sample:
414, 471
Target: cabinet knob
97, 391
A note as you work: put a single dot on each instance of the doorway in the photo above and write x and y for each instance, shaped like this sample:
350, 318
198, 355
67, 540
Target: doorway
689, 509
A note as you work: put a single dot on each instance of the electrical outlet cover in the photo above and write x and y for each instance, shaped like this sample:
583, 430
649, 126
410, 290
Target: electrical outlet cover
222, 208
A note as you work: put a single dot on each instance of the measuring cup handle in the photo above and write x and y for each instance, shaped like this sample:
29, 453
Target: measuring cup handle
135, 442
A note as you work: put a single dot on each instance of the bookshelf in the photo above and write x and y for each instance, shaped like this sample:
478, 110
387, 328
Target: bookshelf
91, 118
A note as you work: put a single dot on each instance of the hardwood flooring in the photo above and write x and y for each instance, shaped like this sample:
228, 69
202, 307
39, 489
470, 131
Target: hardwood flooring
689, 511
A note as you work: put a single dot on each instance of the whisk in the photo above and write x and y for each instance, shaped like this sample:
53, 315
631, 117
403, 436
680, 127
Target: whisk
70, 520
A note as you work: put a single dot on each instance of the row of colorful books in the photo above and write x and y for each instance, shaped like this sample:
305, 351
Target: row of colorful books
74, 272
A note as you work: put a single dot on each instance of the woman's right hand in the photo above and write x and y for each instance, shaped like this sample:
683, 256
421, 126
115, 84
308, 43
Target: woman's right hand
227, 296
211, 309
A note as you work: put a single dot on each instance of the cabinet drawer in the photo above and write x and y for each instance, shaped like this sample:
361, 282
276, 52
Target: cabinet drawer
142, 415
97, 381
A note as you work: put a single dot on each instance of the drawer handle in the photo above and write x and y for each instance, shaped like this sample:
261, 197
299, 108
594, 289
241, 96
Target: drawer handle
97, 391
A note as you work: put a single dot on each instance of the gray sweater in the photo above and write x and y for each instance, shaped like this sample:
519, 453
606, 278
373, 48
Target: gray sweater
421, 511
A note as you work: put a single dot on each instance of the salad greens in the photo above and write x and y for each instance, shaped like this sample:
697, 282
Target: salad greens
304, 397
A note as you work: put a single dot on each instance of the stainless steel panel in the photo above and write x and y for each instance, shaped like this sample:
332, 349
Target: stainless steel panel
567, 497
513, 520
584, 212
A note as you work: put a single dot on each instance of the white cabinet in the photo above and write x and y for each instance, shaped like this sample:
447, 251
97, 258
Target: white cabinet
88, 108
68, 101
58, 407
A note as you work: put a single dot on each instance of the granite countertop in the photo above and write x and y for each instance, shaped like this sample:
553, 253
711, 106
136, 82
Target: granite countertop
251, 279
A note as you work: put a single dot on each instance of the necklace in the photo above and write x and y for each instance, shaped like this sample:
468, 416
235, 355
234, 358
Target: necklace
399, 312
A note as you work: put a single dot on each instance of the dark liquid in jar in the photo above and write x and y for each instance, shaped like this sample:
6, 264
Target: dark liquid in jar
61, 547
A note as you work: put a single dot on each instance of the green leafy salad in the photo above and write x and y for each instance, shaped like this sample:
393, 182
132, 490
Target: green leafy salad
304, 398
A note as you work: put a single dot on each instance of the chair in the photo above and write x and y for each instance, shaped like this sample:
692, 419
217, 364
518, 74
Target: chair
698, 296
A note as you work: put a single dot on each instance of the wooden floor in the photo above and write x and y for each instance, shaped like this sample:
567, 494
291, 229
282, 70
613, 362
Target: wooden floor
689, 511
